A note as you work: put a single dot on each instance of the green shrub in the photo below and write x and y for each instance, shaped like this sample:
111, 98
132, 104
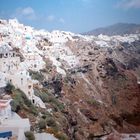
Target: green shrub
51, 122
46, 115
42, 124
15, 106
29, 135
56, 104
47, 98
93, 102
36, 75
20, 101
9, 87
43, 96
61, 136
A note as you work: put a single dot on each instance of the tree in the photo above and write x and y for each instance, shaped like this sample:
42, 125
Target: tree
9, 88
29, 135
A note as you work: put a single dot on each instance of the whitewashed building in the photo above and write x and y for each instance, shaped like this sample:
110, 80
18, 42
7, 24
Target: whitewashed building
9, 61
12, 72
5, 109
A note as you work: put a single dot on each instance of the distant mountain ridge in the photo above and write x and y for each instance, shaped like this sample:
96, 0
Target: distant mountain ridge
116, 29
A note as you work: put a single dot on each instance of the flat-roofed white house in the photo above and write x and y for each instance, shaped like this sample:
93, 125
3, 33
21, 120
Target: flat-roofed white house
23, 81
5, 109
9, 61
34, 61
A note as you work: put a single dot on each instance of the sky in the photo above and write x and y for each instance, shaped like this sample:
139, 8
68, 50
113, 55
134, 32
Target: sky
71, 15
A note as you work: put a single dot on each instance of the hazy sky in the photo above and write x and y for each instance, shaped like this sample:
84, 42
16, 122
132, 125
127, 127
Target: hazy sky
71, 15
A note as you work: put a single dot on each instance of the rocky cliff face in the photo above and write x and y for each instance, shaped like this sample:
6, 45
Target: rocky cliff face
105, 94
88, 84
101, 93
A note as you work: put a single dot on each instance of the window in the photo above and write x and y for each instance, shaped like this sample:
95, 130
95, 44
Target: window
33, 101
6, 55
29, 86
29, 93
35, 65
22, 81
13, 54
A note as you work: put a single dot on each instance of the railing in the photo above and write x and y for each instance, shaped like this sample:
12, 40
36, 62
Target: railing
6, 134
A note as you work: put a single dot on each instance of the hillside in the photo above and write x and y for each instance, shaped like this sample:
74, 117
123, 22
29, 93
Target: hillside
83, 87
116, 29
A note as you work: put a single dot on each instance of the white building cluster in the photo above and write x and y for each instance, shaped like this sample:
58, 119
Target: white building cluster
12, 70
